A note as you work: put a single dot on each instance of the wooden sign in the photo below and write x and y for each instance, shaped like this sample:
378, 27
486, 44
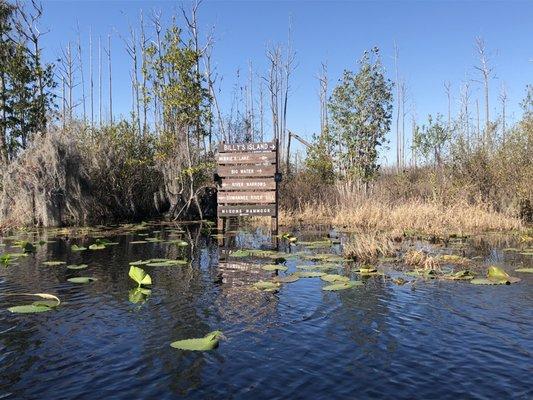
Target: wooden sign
247, 183
247, 147
247, 197
246, 170
269, 210
247, 158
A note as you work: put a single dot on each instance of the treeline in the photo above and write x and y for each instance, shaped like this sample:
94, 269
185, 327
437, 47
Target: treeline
68, 158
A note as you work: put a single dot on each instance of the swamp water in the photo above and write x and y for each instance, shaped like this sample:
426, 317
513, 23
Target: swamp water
428, 338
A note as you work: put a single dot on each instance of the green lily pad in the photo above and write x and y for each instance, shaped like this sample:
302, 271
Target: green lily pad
80, 266
96, 246
138, 242
167, 263
266, 286
342, 285
460, 275
286, 279
140, 276
82, 279
138, 295
208, 342
274, 267
529, 270
334, 278
486, 281
53, 263
29, 309
240, 253
309, 274
75, 247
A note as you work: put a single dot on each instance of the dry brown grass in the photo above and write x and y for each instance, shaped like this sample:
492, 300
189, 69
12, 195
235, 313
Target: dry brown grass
368, 247
370, 215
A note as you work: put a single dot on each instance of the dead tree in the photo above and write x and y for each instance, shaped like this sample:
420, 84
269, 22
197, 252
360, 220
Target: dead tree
486, 73
82, 78
503, 100
108, 52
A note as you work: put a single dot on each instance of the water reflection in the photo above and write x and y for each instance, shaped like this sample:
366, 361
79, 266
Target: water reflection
441, 340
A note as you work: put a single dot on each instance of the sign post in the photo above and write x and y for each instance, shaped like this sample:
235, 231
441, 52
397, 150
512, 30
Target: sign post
247, 178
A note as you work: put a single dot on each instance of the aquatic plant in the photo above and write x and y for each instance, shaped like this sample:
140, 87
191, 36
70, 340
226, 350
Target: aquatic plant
274, 267
208, 342
139, 276
48, 303
496, 276
342, 285
334, 278
74, 266
82, 279
75, 247
368, 247
53, 263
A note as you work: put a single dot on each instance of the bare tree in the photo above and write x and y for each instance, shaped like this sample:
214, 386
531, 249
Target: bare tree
108, 52
91, 83
398, 106
486, 73
503, 100
447, 90
323, 97
100, 80
82, 78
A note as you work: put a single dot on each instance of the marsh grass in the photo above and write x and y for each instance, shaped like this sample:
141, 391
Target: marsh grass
367, 248
371, 214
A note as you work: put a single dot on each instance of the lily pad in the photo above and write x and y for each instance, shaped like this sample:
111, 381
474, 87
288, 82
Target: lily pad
309, 274
342, 285
138, 295
286, 279
459, 275
29, 309
140, 276
53, 263
529, 270
334, 278
82, 279
97, 246
208, 342
167, 263
496, 276
80, 266
138, 242
75, 247
240, 253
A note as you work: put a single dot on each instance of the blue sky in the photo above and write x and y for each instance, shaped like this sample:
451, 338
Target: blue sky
435, 40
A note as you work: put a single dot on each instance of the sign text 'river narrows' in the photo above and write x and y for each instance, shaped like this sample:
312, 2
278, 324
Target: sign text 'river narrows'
247, 184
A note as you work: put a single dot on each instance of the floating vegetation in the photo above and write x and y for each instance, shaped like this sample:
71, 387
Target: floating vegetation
166, 263
75, 247
53, 263
527, 270
286, 279
274, 267
496, 276
368, 271
309, 274
96, 246
334, 278
101, 244
82, 279
459, 275
74, 266
208, 342
266, 286
138, 295
240, 253
138, 242
289, 237
342, 285
49, 303
139, 276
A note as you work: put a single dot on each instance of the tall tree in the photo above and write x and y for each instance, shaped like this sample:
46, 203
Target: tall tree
361, 114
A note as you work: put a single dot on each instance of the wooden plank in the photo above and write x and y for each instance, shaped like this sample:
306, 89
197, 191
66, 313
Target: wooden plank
246, 197
248, 184
240, 147
247, 158
246, 171
247, 210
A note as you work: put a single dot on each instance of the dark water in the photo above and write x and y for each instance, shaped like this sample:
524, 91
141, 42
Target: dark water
442, 340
